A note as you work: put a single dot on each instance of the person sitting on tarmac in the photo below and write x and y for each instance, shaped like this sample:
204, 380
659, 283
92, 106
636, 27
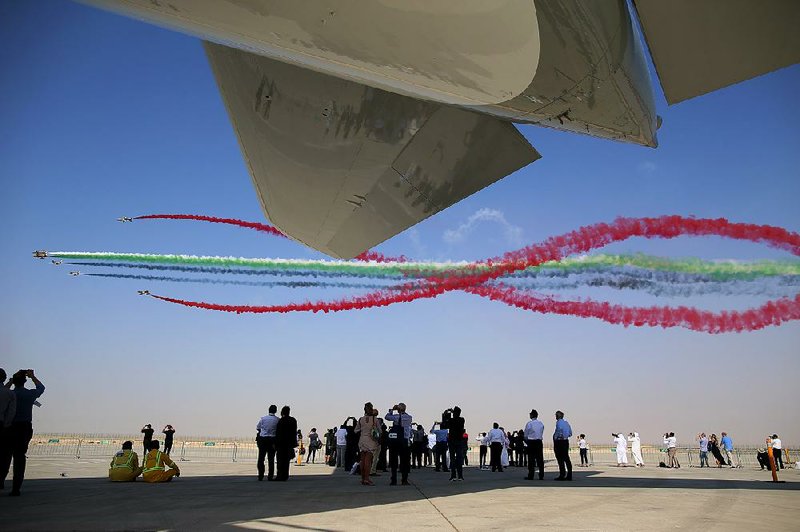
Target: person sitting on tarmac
155, 466
125, 465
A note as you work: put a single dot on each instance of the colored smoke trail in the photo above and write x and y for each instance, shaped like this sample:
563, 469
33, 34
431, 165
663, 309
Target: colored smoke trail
264, 228
771, 313
264, 284
557, 248
712, 269
614, 280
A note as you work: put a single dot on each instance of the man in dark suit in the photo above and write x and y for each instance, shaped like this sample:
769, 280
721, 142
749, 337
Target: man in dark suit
285, 442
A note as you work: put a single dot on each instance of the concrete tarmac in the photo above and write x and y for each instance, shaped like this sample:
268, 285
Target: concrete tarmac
228, 496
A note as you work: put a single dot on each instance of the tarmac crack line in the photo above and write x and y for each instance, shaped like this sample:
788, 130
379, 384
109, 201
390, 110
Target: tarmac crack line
436, 507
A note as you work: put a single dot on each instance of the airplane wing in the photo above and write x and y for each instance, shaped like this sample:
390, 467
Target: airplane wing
699, 46
341, 166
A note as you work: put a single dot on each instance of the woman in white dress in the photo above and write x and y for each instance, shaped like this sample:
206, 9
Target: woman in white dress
504, 455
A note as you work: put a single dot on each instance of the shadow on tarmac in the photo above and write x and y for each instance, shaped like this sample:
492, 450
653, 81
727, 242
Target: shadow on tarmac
199, 502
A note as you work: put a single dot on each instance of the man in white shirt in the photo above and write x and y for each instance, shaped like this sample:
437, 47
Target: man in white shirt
622, 449
777, 452
636, 448
672, 449
496, 439
534, 432
265, 439
341, 445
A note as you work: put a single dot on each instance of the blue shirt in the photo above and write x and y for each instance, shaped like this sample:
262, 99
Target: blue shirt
25, 400
703, 445
727, 443
400, 419
441, 434
563, 430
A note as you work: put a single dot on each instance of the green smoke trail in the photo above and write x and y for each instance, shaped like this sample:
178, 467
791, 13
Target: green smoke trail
721, 270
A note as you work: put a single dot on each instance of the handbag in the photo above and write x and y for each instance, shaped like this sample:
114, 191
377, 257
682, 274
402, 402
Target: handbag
375, 432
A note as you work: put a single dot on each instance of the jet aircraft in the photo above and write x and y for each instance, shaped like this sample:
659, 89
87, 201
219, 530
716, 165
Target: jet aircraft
56, 262
357, 120
144, 292
124, 219
40, 254
75, 274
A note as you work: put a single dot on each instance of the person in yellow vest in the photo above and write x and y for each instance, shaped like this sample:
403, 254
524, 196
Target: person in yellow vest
155, 466
125, 465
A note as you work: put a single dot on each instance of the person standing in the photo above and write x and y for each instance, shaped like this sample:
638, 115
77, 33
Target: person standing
672, 449
440, 447
399, 435
368, 442
265, 440
419, 439
148, 431
8, 409
702, 441
285, 442
380, 427
314, 443
21, 430
727, 448
519, 448
583, 450
454, 424
534, 433
561, 437
777, 452
341, 445
330, 447
622, 449
496, 440
483, 450
169, 432
351, 450
636, 448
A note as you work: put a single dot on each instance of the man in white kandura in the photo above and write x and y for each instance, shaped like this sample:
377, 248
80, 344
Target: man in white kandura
636, 448
622, 449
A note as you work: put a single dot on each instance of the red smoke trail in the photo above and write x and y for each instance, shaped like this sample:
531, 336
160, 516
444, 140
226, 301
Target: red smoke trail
580, 241
264, 228
771, 313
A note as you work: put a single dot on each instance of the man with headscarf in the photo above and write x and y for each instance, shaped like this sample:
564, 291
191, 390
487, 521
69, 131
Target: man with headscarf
636, 448
622, 449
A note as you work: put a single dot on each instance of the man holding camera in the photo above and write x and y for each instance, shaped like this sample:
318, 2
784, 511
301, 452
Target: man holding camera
454, 423
21, 431
399, 434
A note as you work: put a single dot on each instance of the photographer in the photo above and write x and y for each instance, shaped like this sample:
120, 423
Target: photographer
21, 431
440, 448
671, 443
454, 423
399, 435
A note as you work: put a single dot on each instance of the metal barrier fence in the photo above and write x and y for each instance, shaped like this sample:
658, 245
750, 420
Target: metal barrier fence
215, 449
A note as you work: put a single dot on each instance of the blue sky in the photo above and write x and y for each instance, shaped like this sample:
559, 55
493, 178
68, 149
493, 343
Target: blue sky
104, 116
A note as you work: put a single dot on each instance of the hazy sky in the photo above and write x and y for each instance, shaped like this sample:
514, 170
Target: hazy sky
104, 116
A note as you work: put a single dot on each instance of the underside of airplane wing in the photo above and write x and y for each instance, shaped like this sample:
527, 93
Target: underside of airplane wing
340, 166
699, 46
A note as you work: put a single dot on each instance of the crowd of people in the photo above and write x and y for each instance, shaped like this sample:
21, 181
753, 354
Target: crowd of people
392, 443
